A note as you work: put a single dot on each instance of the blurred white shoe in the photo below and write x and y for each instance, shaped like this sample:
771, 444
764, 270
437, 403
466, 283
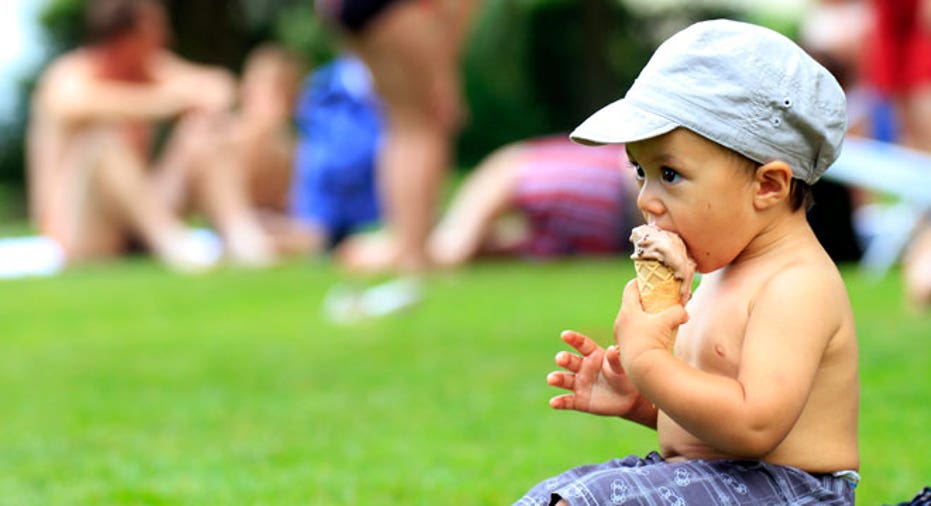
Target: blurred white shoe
344, 304
196, 251
391, 297
252, 249
30, 256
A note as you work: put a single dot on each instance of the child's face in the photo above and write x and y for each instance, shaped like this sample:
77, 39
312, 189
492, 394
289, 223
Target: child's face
698, 189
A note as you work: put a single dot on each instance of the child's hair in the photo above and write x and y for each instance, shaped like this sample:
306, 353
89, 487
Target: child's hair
801, 196
800, 192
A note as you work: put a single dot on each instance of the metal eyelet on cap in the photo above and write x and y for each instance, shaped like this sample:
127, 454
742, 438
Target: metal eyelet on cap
776, 121
787, 103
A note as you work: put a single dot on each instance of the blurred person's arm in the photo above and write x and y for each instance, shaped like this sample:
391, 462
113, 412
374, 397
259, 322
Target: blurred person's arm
209, 88
70, 92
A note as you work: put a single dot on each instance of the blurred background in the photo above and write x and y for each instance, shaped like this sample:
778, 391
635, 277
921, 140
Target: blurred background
526, 71
121, 383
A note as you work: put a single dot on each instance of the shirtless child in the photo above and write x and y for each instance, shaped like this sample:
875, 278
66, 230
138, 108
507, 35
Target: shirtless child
726, 128
94, 185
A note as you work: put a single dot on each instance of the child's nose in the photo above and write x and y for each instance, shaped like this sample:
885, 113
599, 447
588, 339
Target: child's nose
648, 201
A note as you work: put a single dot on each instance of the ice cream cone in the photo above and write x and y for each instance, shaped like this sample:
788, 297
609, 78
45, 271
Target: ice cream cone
664, 269
659, 288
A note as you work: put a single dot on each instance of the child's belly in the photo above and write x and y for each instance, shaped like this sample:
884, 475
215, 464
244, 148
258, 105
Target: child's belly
820, 456
676, 443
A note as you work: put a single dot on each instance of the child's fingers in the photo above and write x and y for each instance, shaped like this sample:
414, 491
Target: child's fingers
565, 401
674, 315
630, 300
614, 359
630, 303
580, 342
561, 379
569, 361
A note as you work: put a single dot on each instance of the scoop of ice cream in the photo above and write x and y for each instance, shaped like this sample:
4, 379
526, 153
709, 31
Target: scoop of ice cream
653, 243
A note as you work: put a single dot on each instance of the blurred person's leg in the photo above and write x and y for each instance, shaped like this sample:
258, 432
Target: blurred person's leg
916, 114
200, 167
413, 58
916, 269
291, 236
486, 194
916, 265
268, 166
901, 67
267, 161
106, 197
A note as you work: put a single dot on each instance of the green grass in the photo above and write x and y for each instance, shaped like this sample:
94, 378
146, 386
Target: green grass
126, 384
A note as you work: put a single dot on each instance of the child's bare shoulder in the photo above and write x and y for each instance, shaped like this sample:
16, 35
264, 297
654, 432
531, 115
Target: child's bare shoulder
808, 288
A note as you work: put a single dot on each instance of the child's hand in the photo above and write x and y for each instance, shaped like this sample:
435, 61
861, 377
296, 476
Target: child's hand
636, 331
596, 379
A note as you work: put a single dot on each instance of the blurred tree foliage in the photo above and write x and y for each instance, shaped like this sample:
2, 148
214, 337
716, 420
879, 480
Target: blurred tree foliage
532, 67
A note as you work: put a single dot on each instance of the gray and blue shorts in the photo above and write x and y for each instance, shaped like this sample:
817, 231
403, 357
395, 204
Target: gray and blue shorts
651, 481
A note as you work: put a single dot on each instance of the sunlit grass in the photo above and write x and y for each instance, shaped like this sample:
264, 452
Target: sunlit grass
125, 384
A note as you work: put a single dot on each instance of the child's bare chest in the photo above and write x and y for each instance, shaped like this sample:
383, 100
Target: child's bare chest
712, 340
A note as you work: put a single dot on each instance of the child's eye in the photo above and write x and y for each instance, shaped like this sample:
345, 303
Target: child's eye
638, 170
670, 175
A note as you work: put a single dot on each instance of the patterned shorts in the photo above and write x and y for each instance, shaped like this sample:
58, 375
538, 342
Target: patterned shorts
653, 481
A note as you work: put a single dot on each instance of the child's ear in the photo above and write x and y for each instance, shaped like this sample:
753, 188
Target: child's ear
772, 183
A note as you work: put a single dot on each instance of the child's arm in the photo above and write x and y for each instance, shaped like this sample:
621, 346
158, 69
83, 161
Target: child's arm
786, 335
598, 383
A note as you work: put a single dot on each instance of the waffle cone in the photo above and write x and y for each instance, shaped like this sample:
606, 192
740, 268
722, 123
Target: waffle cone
659, 288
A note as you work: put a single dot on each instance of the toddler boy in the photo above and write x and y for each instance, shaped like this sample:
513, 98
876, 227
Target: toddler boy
727, 127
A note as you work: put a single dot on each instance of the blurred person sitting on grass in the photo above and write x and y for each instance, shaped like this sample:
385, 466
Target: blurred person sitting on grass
539, 198
96, 185
757, 400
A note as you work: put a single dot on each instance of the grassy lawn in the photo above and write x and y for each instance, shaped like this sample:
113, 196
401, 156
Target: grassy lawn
126, 384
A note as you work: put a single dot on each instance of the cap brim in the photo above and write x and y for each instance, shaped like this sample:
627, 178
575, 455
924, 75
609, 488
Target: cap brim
620, 122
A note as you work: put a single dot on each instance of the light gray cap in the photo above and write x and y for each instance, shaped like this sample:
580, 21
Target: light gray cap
740, 85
